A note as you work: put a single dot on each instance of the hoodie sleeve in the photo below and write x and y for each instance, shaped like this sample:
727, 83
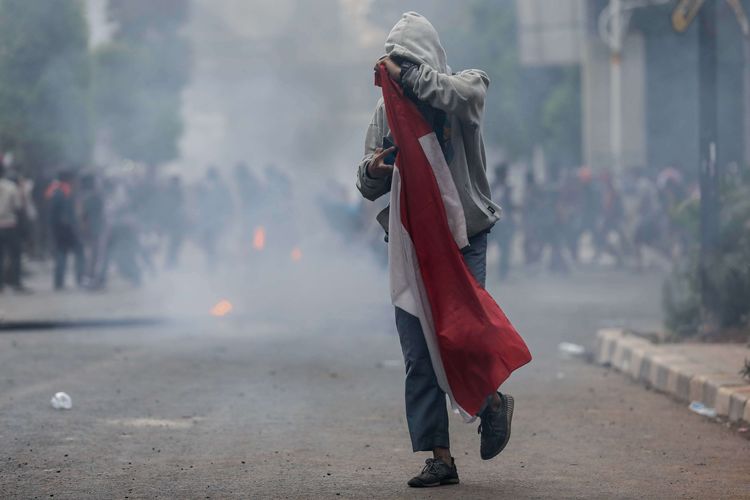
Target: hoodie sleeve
461, 94
370, 187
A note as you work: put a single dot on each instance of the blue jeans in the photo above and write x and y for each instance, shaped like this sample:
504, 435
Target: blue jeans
426, 410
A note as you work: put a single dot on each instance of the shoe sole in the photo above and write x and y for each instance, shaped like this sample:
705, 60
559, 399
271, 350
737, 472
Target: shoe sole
509, 404
445, 482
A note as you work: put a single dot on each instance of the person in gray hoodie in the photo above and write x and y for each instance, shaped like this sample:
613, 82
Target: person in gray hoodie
454, 104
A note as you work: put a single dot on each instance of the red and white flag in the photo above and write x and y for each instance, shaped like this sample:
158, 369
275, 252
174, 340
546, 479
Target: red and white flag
473, 346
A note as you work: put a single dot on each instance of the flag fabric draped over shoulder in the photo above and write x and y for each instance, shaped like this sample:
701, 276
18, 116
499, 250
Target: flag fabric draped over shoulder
473, 346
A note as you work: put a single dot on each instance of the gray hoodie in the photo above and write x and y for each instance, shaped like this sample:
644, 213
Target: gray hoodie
461, 96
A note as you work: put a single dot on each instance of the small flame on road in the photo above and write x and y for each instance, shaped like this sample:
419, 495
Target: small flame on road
222, 308
259, 238
296, 254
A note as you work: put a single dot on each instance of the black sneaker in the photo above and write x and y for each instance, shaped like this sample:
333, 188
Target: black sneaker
435, 473
495, 427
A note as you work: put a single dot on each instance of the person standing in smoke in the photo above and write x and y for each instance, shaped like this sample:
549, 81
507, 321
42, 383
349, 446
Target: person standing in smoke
10, 235
65, 229
215, 209
533, 220
92, 225
453, 105
506, 228
173, 206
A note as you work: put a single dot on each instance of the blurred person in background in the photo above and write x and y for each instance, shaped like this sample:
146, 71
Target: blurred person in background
173, 215
453, 103
505, 229
92, 225
610, 221
569, 208
65, 229
533, 220
40, 237
249, 194
27, 219
589, 204
551, 232
281, 227
214, 209
11, 206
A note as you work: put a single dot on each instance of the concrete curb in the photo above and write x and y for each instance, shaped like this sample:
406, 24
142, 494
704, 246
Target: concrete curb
659, 366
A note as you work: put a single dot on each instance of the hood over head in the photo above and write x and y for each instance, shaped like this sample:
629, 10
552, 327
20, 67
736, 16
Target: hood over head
415, 39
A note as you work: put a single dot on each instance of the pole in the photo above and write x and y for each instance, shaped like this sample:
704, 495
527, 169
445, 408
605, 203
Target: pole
615, 85
709, 172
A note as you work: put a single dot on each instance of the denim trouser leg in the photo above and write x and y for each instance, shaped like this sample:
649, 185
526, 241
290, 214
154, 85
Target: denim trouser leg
61, 263
426, 411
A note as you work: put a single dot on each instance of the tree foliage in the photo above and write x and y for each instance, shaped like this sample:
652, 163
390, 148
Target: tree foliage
489, 41
44, 83
560, 119
730, 274
526, 107
139, 77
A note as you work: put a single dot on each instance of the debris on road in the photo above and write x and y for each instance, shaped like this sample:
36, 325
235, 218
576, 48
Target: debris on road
702, 409
570, 350
61, 401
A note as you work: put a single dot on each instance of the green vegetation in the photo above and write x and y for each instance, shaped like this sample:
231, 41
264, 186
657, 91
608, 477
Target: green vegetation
729, 276
561, 120
53, 90
527, 107
44, 83
139, 77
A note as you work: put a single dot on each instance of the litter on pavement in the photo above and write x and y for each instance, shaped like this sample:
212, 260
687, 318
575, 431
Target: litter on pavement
568, 349
61, 401
702, 409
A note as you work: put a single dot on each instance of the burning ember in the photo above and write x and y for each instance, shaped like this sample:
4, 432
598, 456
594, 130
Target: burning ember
259, 238
296, 254
222, 308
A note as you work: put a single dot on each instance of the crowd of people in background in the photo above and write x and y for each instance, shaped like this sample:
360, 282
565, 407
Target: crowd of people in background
583, 211
133, 222
136, 224
580, 216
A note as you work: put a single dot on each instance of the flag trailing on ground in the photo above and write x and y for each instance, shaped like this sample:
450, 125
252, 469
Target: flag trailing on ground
473, 346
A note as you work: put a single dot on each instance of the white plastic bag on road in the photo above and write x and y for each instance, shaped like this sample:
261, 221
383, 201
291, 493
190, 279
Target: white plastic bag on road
702, 409
570, 350
61, 401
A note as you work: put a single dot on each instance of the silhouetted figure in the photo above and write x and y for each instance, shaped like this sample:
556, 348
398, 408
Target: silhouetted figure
505, 229
92, 225
174, 220
64, 228
214, 212
249, 193
610, 221
11, 205
532, 220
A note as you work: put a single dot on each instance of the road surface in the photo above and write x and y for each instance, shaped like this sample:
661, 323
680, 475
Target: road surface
248, 406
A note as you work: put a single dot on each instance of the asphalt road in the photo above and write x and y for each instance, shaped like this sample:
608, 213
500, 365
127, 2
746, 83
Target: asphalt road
289, 408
